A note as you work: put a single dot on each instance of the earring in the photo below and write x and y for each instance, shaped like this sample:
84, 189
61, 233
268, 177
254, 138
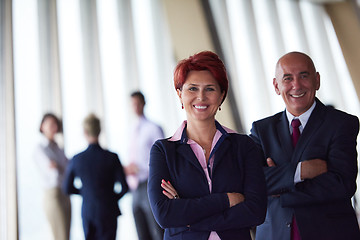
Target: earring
182, 106
220, 108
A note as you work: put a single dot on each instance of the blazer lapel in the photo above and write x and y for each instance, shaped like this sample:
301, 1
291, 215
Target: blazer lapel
185, 151
315, 121
218, 151
283, 132
221, 151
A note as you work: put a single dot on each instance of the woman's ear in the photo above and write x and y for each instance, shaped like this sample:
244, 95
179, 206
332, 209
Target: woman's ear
178, 91
222, 97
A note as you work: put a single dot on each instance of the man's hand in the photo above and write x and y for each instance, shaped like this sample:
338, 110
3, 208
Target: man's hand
270, 162
313, 168
235, 198
53, 164
131, 169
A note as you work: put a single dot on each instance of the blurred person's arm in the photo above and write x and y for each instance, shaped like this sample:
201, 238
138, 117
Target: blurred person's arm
68, 185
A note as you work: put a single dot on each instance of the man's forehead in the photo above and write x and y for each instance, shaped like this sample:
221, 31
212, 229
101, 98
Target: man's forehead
295, 67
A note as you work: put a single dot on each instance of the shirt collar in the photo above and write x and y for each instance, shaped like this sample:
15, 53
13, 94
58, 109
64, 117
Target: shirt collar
303, 117
140, 120
180, 134
44, 141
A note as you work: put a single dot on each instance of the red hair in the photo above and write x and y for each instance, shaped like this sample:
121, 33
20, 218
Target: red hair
205, 60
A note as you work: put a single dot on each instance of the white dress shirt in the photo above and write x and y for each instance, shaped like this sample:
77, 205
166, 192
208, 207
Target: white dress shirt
144, 135
303, 120
44, 153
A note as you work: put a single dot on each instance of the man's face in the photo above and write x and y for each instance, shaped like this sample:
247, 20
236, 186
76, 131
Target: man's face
297, 81
138, 106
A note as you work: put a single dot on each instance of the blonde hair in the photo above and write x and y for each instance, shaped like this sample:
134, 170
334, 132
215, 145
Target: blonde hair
91, 125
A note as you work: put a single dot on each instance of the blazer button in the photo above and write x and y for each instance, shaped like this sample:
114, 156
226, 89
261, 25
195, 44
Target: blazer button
288, 225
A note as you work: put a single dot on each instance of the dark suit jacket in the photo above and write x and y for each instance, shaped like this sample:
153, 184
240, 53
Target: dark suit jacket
98, 170
322, 205
237, 168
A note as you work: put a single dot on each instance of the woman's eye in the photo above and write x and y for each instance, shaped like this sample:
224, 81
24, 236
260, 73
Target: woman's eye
210, 89
192, 88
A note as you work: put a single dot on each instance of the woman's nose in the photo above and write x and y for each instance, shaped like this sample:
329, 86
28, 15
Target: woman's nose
201, 95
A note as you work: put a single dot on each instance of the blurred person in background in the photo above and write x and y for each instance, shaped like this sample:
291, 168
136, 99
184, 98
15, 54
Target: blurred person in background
98, 170
143, 136
52, 163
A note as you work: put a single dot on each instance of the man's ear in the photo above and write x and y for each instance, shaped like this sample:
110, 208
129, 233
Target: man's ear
317, 80
275, 83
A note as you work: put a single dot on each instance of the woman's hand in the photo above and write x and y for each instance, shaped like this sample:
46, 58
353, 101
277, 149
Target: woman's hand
235, 198
169, 190
53, 164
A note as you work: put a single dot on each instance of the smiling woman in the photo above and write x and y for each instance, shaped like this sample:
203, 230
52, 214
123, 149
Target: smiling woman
184, 203
201, 96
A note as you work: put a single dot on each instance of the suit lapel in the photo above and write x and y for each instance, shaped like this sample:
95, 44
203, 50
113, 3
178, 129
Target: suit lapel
221, 151
315, 121
185, 151
282, 127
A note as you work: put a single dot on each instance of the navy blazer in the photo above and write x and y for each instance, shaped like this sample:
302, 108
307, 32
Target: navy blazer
237, 168
322, 205
98, 170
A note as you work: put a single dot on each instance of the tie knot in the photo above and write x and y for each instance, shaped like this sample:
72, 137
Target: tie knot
295, 123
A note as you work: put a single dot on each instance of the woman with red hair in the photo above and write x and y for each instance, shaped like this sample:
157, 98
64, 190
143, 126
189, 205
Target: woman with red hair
206, 181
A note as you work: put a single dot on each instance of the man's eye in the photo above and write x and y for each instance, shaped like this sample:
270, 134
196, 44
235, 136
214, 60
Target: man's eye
192, 89
287, 79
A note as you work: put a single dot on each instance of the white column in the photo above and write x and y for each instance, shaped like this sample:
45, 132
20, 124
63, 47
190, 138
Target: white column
119, 69
251, 90
49, 57
271, 46
292, 26
155, 61
91, 57
8, 190
322, 54
92, 63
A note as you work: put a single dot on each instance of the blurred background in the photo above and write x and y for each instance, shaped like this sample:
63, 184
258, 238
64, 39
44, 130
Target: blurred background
73, 57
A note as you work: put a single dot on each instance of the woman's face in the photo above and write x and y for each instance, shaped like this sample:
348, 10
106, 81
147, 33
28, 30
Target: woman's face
201, 96
49, 128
